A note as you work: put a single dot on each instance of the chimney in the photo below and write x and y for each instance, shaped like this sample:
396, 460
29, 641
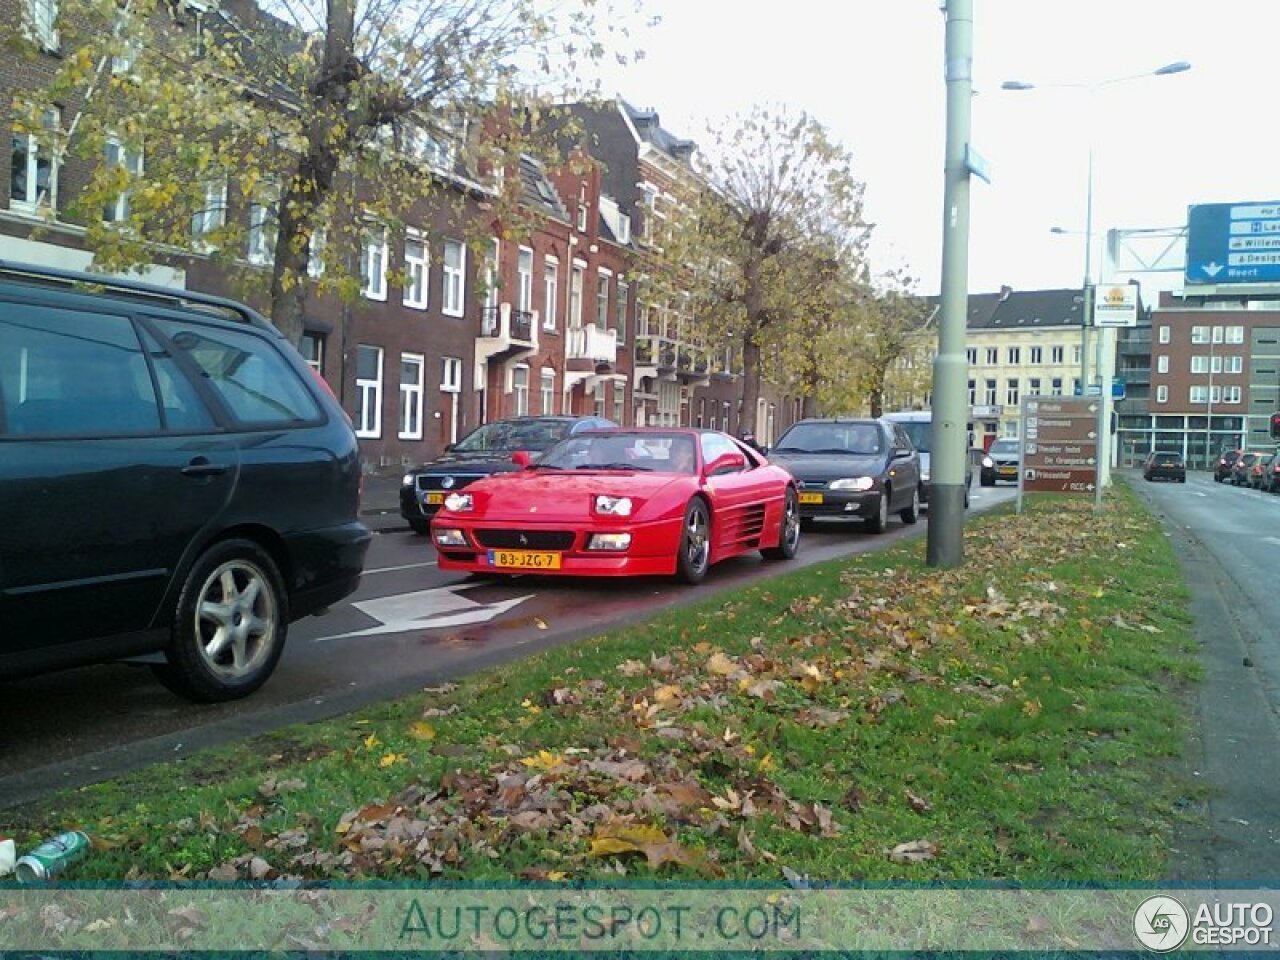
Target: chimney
1005, 292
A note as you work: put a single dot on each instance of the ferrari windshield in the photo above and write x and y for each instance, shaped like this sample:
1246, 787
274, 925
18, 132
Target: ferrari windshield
621, 450
510, 435
831, 437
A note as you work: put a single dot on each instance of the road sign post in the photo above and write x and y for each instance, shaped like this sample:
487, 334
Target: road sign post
1060, 446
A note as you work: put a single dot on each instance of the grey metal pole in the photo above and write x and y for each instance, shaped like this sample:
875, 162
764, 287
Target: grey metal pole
1086, 315
950, 369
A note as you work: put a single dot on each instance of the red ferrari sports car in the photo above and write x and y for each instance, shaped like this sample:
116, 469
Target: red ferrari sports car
629, 502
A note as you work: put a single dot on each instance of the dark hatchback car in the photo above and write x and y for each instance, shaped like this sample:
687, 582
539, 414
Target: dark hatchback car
1223, 465
864, 469
173, 479
484, 451
1001, 461
1242, 469
1164, 466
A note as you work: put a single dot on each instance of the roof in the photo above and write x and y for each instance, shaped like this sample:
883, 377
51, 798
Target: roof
537, 190
1022, 309
649, 127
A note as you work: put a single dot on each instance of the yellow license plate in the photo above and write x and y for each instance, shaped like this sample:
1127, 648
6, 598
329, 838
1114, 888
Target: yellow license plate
524, 559
435, 498
810, 498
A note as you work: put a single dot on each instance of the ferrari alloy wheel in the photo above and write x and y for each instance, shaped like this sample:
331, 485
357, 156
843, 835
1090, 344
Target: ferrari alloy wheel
694, 557
789, 535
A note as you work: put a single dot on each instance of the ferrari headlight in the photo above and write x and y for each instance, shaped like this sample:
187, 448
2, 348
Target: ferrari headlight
458, 502
988, 462
450, 537
851, 483
613, 506
609, 541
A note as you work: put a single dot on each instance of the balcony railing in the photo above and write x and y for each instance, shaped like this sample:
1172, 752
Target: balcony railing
505, 323
592, 343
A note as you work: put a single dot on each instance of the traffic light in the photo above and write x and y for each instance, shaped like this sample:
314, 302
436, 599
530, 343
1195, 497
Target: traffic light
1275, 426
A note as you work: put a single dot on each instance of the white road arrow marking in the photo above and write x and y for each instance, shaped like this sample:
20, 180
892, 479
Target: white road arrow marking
1212, 268
425, 610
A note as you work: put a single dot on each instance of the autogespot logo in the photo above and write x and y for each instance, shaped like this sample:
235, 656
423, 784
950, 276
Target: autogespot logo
1161, 923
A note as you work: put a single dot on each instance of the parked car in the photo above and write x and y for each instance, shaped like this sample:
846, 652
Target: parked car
622, 503
1226, 460
1260, 472
856, 468
1001, 462
173, 478
484, 451
1242, 469
918, 425
1162, 465
1272, 481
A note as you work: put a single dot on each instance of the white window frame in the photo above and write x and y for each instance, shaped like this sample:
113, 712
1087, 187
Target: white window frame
1033, 387
374, 263
1162, 363
212, 214
36, 148
369, 399
520, 372
1163, 334
1199, 335
990, 390
1234, 335
1162, 393
1234, 365
604, 280
550, 292
1011, 387
1037, 355
1055, 387
416, 265
547, 389
263, 225
1057, 354
1014, 356
450, 375
971, 356
577, 279
524, 279
455, 279
40, 23
993, 356
1230, 394
623, 303
411, 397
315, 363
582, 207
134, 163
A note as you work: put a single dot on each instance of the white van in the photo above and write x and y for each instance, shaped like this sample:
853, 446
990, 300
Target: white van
918, 425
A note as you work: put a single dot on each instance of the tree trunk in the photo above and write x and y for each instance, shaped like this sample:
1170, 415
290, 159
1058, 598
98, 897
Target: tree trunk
809, 405
750, 386
877, 400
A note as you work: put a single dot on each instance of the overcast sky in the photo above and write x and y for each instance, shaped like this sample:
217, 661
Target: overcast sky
871, 71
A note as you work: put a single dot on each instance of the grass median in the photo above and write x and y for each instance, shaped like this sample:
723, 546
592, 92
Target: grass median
864, 719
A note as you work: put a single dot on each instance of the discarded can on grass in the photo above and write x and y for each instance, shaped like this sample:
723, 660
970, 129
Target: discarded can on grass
52, 857
8, 853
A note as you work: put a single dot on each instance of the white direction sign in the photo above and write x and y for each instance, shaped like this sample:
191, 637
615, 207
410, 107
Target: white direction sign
426, 610
1116, 305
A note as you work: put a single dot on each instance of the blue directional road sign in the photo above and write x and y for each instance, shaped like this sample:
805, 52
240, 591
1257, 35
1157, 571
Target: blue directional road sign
1233, 243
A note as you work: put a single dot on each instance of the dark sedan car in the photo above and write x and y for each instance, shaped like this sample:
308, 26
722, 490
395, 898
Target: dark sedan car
1165, 466
1242, 469
864, 469
484, 451
1001, 461
1226, 460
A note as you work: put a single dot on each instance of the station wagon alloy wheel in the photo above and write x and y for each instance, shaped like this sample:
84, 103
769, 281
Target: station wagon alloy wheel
235, 619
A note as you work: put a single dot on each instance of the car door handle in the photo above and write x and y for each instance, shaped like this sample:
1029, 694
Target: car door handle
201, 467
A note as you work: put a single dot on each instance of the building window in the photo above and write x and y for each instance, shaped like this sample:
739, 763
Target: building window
1199, 334
602, 301
550, 292
1056, 354
374, 263
411, 367
1230, 394
263, 224
315, 253
1011, 392
41, 22
1163, 334
1162, 394
492, 257
1162, 364
623, 304
450, 375
212, 214
520, 387
1033, 387
1234, 335
368, 391
1075, 354
524, 274
455, 263
1055, 388
971, 356
1234, 364
1217, 334
619, 402
118, 155
990, 393
1014, 354
582, 208
597, 393
576, 280
415, 270
548, 391
993, 356
312, 349
33, 176
1037, 355
973, 393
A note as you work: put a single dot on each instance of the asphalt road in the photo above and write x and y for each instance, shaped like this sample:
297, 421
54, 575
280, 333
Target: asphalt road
408, 626
1228, 542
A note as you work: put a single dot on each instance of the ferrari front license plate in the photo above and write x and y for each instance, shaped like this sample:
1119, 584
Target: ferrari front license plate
433, 498
810, 498
524, 560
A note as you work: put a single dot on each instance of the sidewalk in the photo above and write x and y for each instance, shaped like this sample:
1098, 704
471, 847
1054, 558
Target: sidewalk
380, 503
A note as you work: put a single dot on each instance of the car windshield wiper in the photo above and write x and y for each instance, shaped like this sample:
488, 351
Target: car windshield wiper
788, 450
545, 466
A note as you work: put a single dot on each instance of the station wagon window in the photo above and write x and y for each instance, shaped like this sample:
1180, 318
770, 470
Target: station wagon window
252, 378
90, 382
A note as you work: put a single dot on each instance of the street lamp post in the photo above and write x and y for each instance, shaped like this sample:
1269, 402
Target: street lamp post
1106, 358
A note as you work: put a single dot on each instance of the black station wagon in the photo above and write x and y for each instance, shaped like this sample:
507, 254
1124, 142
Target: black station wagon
173, 478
